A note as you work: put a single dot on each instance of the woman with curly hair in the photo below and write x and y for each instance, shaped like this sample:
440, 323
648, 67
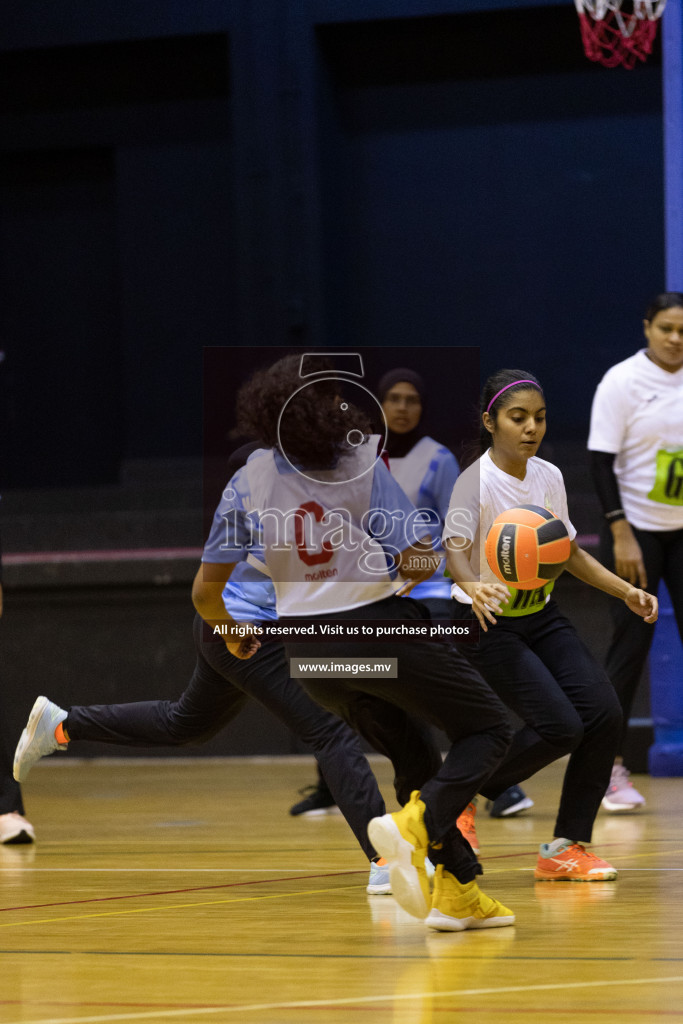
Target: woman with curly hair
319, 512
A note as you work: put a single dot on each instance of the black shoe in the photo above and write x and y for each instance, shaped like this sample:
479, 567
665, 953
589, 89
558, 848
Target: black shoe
512, 801
318, 802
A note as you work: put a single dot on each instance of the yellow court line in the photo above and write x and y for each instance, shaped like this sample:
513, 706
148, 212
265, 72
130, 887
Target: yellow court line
175, 906
307, 1004
654, 853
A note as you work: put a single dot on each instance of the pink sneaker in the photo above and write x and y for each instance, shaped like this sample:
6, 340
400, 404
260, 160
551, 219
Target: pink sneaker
621, 794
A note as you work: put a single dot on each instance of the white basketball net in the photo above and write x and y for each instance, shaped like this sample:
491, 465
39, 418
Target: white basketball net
599, 10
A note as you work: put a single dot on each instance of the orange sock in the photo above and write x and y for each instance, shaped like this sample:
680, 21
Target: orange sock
60, 735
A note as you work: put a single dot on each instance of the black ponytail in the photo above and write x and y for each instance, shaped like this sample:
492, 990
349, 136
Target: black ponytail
667, 300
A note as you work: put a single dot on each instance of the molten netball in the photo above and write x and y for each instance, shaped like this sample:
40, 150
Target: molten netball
527, 547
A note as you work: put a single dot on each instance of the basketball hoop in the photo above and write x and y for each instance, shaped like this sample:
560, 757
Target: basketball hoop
613, 35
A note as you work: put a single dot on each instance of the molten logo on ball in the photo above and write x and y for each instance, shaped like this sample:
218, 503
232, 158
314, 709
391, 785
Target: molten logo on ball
527, 547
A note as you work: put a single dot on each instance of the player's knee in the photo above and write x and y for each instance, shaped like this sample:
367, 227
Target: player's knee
504, 733
183, 737
609, 716
183, 731
563, 734
322, 736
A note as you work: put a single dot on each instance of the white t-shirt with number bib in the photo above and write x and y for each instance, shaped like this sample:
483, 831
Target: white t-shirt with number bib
638, 416
483, 491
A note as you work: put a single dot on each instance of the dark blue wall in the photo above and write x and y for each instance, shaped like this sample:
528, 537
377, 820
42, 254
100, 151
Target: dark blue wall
491, 187
293, 172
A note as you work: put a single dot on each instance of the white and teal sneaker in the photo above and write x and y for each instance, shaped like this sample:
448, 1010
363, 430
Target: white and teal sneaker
379, 883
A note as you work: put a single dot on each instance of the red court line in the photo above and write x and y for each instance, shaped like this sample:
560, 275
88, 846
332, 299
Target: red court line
173, 892
150, 554
534, 852
231, 885
105, 555
506, 856
102, 1003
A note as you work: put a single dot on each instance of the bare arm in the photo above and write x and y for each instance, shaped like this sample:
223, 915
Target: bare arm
589, 570
486, 597
628, 556
207, 597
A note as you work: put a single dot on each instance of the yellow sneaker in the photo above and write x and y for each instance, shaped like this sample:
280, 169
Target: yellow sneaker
401, 838
456, 907
465, 825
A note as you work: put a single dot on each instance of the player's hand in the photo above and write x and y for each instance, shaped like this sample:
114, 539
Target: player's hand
643, 604
245, 643
406, 588
628, 560
487, 599
244, 648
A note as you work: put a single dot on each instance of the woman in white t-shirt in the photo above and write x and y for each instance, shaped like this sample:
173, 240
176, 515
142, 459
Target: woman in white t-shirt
636, 445
427, 471
528, 652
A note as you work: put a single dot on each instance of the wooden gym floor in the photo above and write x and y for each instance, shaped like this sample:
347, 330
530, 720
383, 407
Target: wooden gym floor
182, 891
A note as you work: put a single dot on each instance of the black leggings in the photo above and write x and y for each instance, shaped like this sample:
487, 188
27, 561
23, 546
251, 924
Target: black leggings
221, 685
436, 685
10, 793
540, 668
632, 636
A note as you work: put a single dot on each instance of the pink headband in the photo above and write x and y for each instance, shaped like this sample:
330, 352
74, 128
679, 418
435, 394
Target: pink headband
514, 384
